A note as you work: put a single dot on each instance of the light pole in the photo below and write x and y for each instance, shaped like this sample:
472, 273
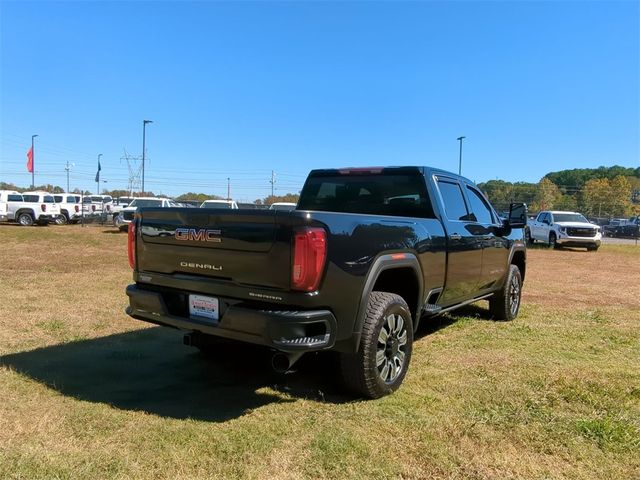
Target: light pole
460, 160
144, 130
33, 162
228, 188
98, 176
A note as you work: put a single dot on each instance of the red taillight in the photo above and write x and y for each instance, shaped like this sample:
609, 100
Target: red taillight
77, 208
93, 208
309, 255
108, 208
43, 207
131, 244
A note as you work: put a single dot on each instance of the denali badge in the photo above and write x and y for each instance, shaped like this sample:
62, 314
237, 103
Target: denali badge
204, 266
198, 234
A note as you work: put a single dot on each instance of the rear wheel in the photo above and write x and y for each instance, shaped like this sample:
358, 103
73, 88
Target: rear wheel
380, 364
62, 219
505, 304
25, 219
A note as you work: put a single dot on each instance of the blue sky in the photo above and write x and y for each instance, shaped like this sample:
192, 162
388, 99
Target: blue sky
239, 89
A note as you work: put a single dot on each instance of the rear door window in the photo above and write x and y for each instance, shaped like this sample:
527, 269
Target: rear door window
454, 205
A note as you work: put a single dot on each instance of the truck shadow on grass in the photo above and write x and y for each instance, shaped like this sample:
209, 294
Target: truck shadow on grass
150, 370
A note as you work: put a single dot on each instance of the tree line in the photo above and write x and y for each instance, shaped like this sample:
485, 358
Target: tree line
596, 192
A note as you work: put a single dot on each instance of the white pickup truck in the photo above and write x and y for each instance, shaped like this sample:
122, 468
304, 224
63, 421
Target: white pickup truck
125, 217
568, 229
69, 208
29, 207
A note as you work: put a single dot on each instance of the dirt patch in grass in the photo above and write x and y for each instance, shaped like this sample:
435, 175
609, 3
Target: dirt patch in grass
90, 393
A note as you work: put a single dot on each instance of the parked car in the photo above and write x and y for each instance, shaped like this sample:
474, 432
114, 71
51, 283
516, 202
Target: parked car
119, 204
28, 208
365, 256
126, 216
286, 206
568, 229
7, 196
227, 204
623, 228
70, 205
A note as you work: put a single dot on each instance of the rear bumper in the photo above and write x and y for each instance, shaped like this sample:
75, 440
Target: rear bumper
288, 331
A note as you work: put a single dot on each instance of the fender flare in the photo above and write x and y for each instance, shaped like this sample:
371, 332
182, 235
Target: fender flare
28, 210
382, 263
512, 253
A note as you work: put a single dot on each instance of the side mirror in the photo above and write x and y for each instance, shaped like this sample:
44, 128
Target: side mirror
517, 215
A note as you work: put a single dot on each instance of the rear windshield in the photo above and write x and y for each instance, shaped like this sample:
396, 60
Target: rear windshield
401, 195
140, 203
49, 199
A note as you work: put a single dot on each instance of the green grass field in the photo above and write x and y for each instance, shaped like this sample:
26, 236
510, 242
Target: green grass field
88, 392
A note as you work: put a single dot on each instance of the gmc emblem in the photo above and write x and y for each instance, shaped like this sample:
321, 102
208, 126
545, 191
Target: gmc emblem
198, 235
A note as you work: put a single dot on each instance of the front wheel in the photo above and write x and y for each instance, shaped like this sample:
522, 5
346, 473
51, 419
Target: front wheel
380, 364
62, 219
553, 241
505, 304
527, 237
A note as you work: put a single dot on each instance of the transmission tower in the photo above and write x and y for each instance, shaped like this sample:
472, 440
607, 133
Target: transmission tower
135, 172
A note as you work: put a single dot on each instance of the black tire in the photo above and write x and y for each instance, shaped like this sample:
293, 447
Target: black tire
528, 238
62, 219
381, 363
592, 248
25, 219
553, 241
505, 304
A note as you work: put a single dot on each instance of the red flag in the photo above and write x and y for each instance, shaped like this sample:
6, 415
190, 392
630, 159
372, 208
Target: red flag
30, 160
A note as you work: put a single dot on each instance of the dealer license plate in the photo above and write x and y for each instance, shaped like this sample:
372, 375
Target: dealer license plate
204, 307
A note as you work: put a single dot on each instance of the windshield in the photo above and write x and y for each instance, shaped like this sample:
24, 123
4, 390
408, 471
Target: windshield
142, 203
569, 217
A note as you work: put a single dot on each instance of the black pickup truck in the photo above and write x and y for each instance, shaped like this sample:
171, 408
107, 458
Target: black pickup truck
363, 258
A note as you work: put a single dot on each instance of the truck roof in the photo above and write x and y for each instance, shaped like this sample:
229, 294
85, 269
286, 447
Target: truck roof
412, 169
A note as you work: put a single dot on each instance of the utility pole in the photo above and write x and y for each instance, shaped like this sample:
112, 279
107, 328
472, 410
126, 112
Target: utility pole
68, 168
272, 182
144, 129
460, 159
228, 188
33, 162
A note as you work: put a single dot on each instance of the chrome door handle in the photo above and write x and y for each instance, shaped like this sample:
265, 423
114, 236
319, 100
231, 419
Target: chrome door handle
455, 236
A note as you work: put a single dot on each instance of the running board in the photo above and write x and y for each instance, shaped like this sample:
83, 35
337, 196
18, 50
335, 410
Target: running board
453, 307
